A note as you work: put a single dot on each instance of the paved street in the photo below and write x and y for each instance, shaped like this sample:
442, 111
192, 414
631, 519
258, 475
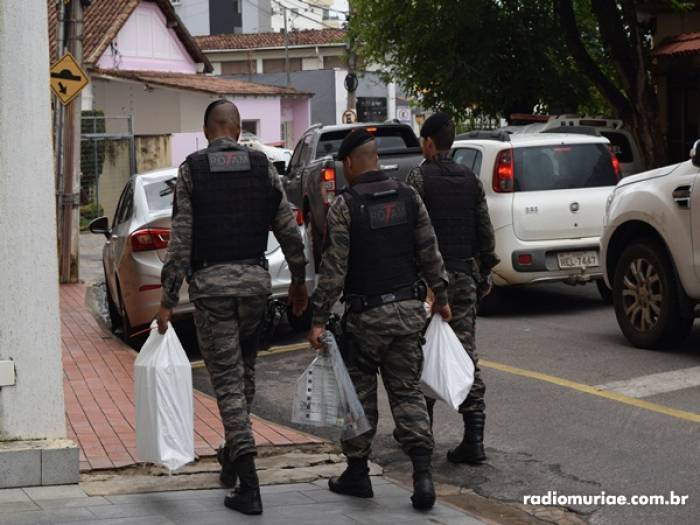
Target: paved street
550, 432
547, 428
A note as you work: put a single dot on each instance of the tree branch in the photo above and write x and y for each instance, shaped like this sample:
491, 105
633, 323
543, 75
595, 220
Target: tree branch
567, 19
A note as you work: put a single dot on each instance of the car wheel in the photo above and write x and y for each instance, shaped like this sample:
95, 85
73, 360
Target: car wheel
125, 326
114, 316
646, 299
316, 241
606, 293
300, 323
491, 304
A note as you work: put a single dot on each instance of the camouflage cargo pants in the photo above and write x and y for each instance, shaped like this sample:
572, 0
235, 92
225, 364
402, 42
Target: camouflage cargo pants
227, 330
399, 359
462, 296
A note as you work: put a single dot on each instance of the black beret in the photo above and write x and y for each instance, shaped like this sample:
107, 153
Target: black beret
356, 138
434, 123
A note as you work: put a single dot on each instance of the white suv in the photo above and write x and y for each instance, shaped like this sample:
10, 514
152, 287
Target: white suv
651, 252
546, 194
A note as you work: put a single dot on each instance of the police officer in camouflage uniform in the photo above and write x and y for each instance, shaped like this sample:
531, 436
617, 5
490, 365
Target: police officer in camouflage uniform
455, 200
227, 199
379, 244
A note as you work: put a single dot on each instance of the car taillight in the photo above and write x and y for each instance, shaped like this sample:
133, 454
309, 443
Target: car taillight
615, 163
299, 216
150, 239
504, 172
328, 184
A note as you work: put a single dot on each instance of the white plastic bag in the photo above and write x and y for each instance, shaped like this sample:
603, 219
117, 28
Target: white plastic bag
164, 403
325, 395
448, 371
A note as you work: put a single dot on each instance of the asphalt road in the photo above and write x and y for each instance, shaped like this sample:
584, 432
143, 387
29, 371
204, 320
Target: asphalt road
550, 433
547, 428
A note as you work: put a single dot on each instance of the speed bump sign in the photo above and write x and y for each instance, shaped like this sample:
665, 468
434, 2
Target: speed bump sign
67, 79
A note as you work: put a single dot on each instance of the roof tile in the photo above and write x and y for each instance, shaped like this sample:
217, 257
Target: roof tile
232, 41
203, 83
685, 44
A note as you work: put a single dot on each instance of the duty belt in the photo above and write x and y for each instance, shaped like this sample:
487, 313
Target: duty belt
361, 303
459, 265
260, 261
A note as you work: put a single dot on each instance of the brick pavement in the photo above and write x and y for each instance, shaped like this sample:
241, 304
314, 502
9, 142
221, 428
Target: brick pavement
98, 387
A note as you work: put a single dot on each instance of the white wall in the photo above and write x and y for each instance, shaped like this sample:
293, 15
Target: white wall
195, 15
29, 312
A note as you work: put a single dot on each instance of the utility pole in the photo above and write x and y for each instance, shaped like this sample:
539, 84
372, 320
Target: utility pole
286, 46
352, 61
69, 197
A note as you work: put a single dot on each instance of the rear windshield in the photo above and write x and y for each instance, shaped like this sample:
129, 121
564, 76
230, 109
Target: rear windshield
159, 195
563, 167
620, 145
388, 138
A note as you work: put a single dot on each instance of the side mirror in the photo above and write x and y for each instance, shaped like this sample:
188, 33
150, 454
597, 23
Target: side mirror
695, 154
100, 225
280, 166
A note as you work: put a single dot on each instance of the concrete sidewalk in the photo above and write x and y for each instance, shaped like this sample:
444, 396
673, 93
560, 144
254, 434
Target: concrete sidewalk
300, 503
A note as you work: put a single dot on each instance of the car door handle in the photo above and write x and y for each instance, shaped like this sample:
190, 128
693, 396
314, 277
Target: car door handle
682, 196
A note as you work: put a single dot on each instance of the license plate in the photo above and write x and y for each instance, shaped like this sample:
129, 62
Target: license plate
585, 259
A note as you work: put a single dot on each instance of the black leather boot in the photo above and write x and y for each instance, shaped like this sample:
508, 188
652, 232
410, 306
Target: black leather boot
228, 476
423, 489
354, 481
471, 449
246, 497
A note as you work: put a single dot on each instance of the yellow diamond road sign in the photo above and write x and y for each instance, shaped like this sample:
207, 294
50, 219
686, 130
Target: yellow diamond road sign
67, 79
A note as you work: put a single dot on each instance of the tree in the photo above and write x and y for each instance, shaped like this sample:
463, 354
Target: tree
504, 56
630, 92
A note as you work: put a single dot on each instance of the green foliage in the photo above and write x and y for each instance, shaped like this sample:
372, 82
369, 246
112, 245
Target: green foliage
88, 212
494, 56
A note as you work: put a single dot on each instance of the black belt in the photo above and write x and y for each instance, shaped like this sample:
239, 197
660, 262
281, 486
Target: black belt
459, 265
260, 261
361, 303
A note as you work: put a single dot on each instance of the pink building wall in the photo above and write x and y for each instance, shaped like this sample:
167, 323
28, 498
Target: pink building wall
146, 43
266, 110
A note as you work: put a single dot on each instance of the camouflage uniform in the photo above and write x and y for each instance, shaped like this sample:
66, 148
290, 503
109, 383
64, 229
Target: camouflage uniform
230, 301
464, 288
385, 339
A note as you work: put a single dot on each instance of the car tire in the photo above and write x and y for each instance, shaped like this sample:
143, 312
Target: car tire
645, 296
491, 304
605, 293
316, 240
300, 323
125, 325
114, 317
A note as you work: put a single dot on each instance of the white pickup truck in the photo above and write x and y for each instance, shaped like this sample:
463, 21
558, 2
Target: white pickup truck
651, 252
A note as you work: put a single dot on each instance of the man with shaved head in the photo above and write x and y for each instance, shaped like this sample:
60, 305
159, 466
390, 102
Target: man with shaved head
380, 253
227, 199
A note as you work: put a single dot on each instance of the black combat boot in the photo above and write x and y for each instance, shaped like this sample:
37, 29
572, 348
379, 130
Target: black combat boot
354, 481
246, 497
471, 449
228, 476
423, 489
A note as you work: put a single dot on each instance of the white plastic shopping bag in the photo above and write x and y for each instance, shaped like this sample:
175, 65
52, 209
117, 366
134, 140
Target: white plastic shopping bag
164, 404
448, 371
325, 395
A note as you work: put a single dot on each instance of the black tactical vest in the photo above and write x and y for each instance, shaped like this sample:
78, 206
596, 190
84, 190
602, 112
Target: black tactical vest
383, 216
233, 205
450, 192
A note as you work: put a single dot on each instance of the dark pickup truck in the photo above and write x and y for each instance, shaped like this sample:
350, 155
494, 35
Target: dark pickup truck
314, 175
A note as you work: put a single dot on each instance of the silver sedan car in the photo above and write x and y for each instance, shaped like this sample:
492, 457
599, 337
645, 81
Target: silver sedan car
135, 250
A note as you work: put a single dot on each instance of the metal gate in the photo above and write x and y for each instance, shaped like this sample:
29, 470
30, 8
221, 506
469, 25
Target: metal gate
107, 155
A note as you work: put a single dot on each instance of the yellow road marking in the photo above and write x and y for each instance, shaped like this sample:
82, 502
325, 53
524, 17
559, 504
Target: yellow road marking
594, 391
273, 350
